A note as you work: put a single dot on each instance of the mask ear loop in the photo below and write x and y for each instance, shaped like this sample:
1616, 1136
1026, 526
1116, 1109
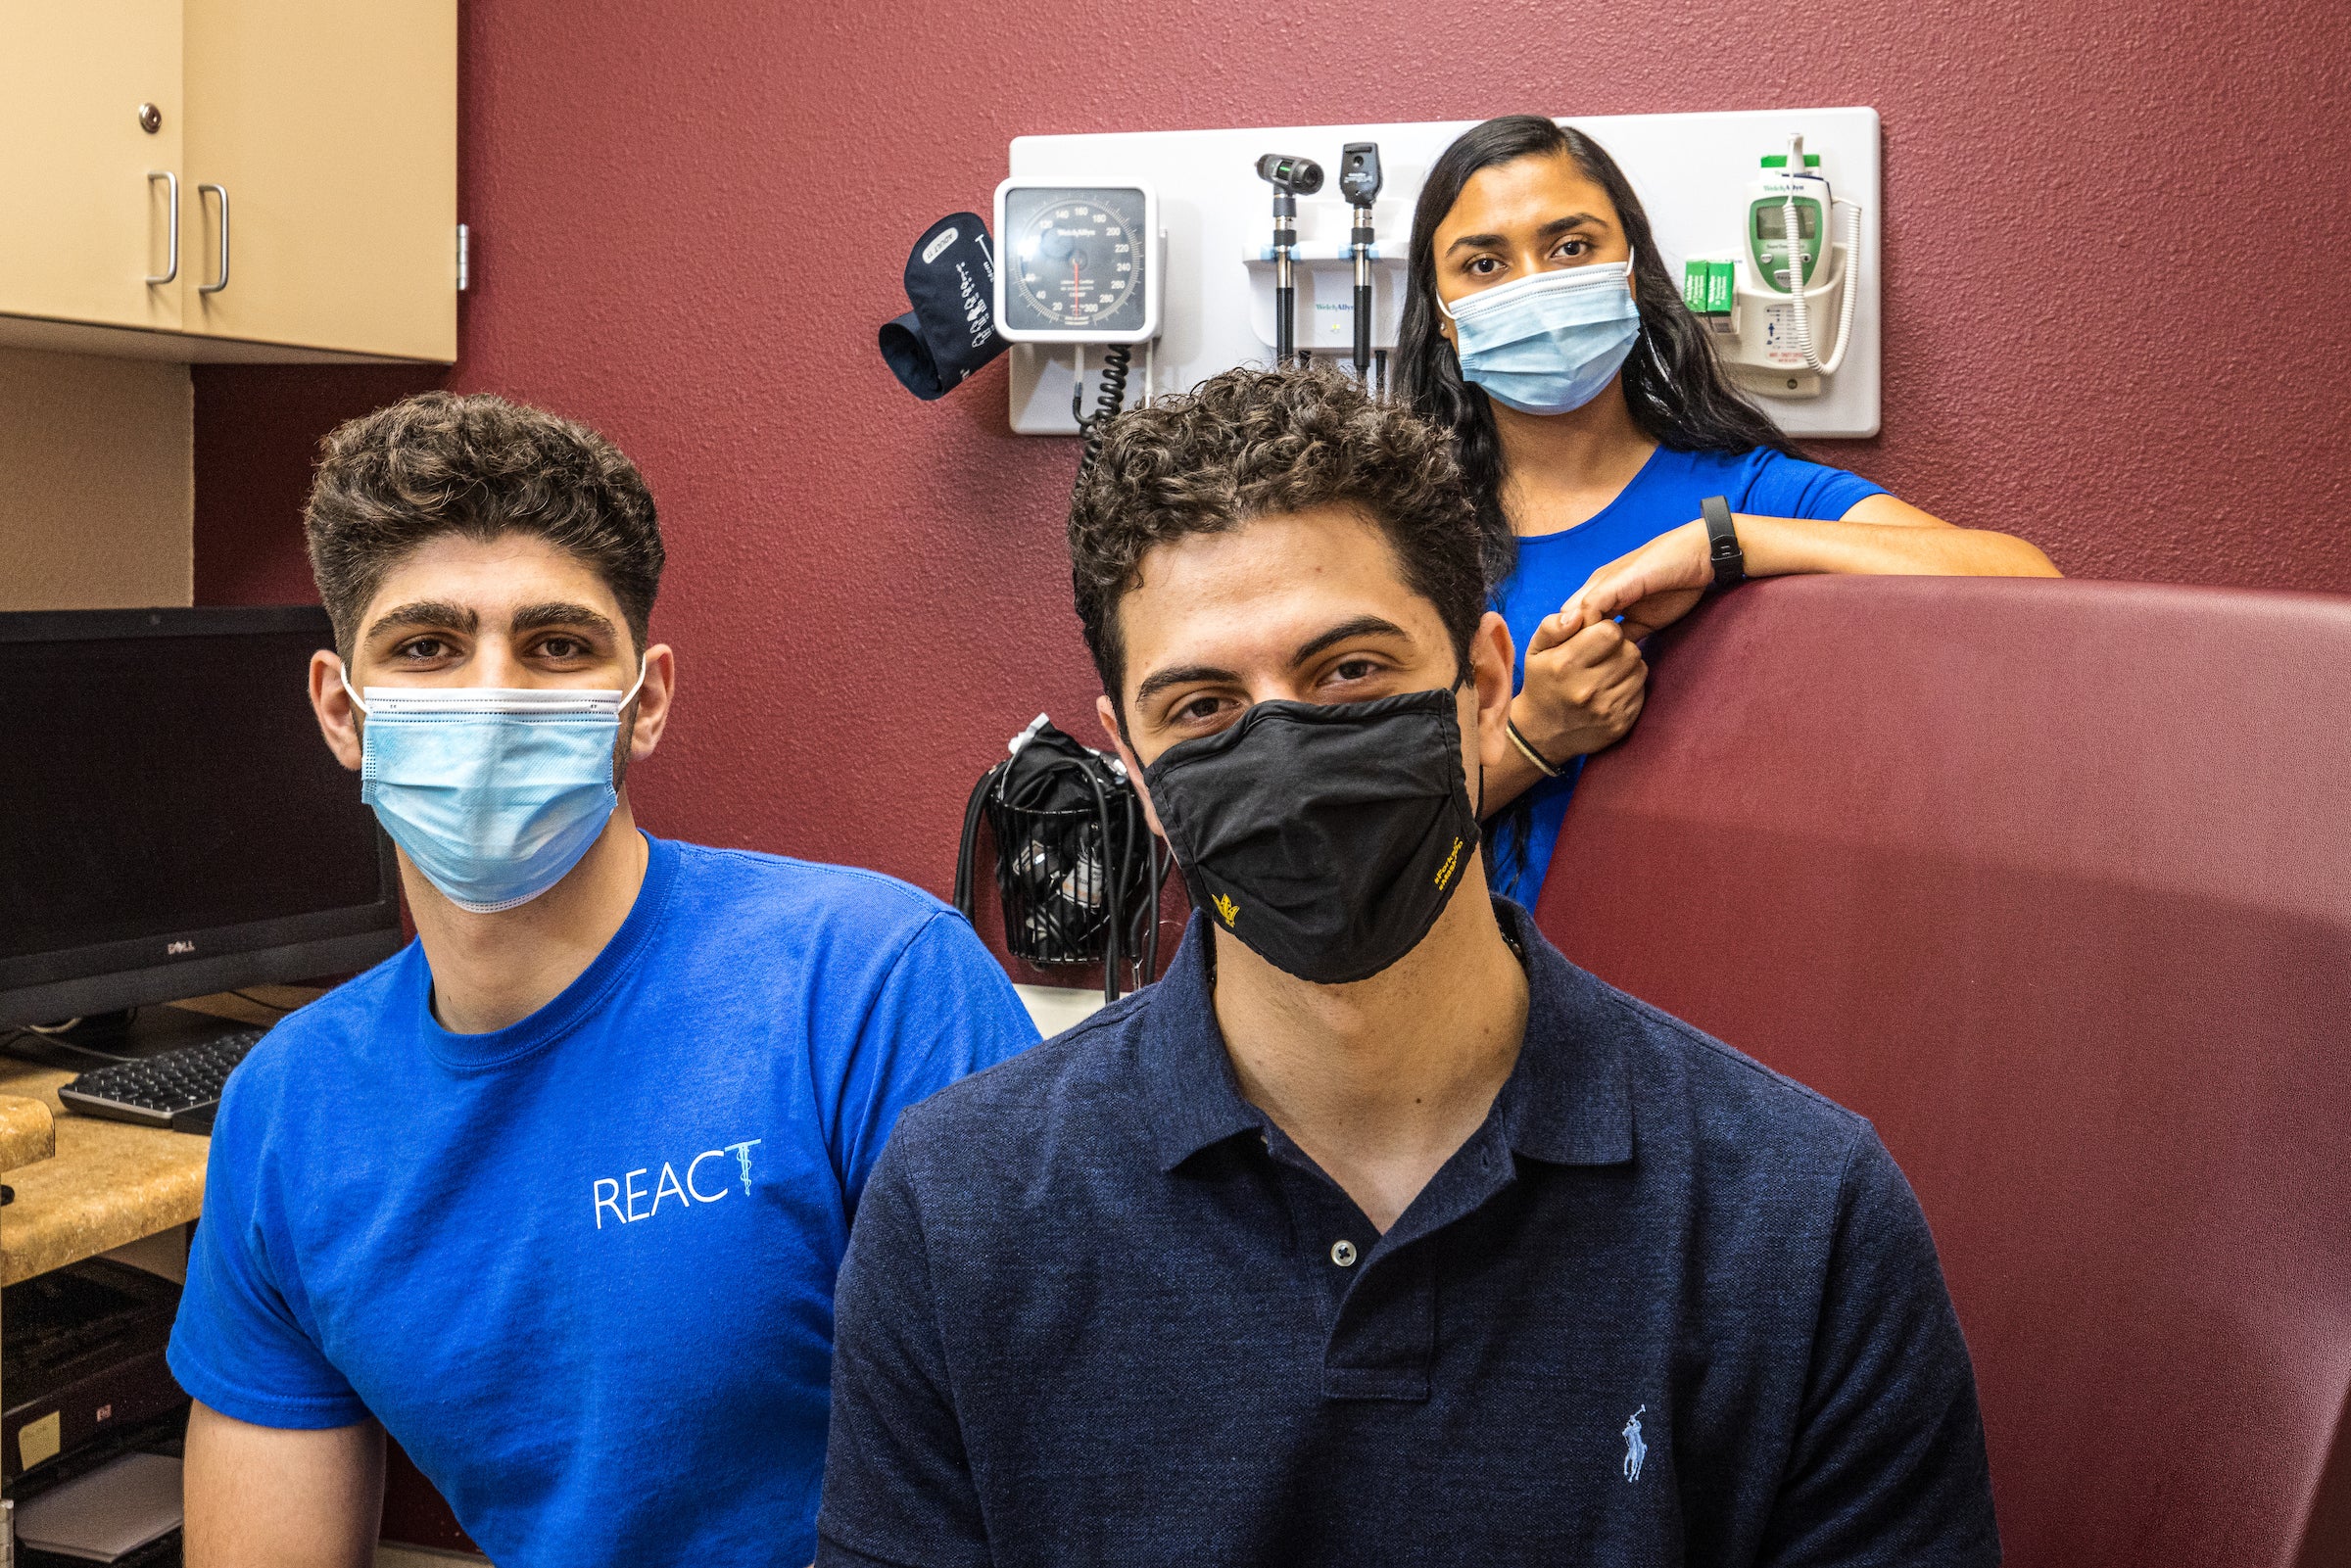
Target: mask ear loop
623, 741
343, 674
1460, 679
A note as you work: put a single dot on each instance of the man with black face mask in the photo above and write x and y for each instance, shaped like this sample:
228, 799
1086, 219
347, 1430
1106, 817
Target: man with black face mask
1376, 1231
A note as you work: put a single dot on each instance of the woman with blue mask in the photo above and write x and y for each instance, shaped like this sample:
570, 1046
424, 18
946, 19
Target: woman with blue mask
1594, 424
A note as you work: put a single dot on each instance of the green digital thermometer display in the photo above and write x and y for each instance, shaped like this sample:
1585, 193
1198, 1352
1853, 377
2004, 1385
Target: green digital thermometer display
1768, 238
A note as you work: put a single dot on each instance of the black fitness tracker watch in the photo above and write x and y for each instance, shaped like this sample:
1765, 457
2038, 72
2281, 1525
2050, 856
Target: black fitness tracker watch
1722, 542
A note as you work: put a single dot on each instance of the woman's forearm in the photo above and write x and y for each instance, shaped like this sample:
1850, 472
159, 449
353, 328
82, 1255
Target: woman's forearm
1778, 546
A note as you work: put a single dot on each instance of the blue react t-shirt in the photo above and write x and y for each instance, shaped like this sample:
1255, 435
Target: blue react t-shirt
1663, 496
582, 1268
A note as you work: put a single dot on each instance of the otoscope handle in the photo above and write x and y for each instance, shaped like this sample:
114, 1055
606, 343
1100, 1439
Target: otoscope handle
1285, 297
1359, 243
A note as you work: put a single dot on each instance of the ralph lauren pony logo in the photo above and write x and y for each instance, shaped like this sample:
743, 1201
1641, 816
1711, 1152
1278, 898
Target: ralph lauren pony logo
1635, 1451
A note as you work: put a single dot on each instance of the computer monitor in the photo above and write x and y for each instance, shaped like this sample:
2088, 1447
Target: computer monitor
170, 823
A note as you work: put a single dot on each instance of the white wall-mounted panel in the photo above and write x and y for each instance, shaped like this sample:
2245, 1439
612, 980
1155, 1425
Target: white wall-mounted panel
1692, 172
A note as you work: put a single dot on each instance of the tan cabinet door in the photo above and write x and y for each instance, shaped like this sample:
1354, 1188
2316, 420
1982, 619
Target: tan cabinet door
81, 226
322, 177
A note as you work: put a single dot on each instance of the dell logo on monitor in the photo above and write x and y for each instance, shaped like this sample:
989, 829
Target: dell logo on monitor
174, 949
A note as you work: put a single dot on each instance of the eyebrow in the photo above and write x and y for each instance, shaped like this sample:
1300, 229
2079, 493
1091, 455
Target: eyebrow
433, 613
537, 617
1550, 230
1347, 631
1159, 681
1186, 674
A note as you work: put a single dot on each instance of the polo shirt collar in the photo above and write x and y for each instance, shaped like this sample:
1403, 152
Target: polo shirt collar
1567, 1102
1191, 1098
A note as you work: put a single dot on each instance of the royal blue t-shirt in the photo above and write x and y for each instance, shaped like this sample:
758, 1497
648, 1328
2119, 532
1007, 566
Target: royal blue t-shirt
1663, 496
582, 1268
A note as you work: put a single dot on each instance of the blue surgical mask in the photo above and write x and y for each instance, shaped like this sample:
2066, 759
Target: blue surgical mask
1548, 343
493, 794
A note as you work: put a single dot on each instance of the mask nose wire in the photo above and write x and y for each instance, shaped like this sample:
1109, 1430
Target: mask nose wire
1630, 257
343, 674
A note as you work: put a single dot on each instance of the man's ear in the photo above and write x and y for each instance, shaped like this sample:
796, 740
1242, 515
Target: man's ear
654, 698
1491, 656
1108, 713
338, 720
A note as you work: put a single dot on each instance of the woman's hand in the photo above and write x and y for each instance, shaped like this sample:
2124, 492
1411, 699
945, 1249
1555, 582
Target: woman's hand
1652, 588
1585, 679
1584, 688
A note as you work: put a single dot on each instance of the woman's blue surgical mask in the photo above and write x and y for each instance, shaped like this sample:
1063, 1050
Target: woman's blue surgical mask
1548, 343
493, 793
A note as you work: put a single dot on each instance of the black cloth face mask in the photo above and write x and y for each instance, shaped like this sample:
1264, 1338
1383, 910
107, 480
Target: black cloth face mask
1326, 838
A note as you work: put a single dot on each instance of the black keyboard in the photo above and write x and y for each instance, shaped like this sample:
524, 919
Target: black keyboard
176, 1089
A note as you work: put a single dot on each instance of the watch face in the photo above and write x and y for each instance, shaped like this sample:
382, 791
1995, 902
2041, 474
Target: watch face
1075, 259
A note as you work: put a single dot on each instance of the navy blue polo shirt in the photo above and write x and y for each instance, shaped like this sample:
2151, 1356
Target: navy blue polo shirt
1663, 1307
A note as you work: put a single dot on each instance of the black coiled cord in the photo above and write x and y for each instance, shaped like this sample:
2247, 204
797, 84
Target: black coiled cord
1116, 362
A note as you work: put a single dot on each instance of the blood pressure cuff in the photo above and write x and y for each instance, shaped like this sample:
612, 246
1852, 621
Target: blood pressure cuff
952, 331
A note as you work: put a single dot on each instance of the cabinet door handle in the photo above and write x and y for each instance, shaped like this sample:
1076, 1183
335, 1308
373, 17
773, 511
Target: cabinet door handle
171, 182
220, 282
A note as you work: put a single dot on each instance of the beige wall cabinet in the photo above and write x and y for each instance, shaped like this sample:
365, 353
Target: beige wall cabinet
85, 191
310, 150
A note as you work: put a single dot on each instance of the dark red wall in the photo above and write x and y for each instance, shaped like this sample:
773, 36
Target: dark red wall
2115, 234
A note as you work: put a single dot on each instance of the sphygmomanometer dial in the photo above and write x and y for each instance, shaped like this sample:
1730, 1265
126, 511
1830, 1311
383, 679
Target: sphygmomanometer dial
1076, 262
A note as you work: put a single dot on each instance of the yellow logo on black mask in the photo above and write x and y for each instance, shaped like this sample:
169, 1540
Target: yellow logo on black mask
1445, 872
1226, 908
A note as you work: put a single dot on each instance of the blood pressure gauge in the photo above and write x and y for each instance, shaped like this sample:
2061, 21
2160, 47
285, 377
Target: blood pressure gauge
1076, 263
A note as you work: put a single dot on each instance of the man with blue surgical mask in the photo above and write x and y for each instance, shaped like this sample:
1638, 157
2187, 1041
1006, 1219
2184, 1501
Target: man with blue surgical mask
557, 1195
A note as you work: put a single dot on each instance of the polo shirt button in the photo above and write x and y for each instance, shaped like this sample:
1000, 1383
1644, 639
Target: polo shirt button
1342, 1253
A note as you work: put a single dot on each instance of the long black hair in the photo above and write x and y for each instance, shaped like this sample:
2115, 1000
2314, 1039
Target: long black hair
1673, 384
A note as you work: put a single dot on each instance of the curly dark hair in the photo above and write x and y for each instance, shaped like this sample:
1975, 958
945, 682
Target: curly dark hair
1254, 443
478, 465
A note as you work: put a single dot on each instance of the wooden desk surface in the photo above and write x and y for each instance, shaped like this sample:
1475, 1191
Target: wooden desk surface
109, 1182
27, 1131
